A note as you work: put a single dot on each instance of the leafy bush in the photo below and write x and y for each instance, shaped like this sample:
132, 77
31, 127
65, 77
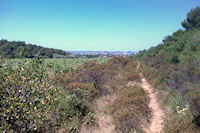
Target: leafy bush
79, 101
180, 123
93, 73
118, 62
193, 96
193, 48
97, 74
30, 104
174, 73
63, 79
130, 110
197, 120
90, 119
26, 97
92, 91
193, 19
133, 77
174, 59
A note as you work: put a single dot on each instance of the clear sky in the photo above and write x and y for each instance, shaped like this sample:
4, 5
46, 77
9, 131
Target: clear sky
112, 25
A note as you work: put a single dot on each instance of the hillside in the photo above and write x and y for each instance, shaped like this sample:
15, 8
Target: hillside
19, 49
173, 68
156, 91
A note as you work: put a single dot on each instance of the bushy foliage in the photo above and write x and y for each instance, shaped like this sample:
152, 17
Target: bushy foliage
24, 93
133, 77
193, 96
95, 73
130, 110
19, 49
173, 69
90, 119
63, 79
118, 62
79, 100
92, 91
30, 104
92, 76
193, 19
60, 66
97, 79
174, 59
180, 123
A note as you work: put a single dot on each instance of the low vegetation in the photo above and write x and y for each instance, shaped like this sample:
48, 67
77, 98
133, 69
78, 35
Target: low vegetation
130, 111
38, 97
43, 95
29, 102
173, 69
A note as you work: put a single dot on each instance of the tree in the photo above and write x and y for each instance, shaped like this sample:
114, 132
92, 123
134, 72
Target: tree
193, 19
19, 49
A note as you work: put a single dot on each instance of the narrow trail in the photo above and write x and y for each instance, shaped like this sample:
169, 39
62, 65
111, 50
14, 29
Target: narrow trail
156, 122
105, 124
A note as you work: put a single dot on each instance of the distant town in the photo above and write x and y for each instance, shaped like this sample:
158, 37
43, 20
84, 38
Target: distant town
99, 54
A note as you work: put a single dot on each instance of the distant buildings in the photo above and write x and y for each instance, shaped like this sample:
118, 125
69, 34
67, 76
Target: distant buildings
99, 54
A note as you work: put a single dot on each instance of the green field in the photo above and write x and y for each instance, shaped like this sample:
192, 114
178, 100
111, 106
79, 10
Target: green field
59, 65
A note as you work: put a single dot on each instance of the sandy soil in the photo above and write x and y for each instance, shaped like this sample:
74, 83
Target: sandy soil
156, 122
105, 124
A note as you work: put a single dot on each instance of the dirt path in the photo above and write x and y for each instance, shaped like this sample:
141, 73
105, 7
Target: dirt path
156, 122
105, 124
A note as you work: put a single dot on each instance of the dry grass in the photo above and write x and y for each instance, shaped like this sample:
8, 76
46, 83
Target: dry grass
130, 110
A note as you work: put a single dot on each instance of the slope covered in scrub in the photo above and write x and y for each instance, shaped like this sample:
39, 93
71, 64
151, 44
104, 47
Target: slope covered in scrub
173, 68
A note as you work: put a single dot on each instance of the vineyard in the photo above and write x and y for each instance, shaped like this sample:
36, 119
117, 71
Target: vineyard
59, 65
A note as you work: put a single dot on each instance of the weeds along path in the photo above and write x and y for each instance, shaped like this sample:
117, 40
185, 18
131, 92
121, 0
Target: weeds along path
105, 124
156, 122
105, 120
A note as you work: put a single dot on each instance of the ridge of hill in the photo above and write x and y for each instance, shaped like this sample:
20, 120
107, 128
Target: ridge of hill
173, 69
19, 49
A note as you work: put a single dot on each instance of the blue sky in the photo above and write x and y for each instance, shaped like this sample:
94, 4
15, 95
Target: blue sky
112, 25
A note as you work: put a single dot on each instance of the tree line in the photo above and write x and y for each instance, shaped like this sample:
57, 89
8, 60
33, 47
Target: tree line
19, 49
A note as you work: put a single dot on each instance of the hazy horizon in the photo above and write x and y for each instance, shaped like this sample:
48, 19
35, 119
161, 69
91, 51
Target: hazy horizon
92, 25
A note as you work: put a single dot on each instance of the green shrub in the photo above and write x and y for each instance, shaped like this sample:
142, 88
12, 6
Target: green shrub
79, 101
174, 59
130, 110
92, 91
193, 19
90, 119
63, 79
180, 47
26, 97
133, 77
29, 103
180, 123
193, 48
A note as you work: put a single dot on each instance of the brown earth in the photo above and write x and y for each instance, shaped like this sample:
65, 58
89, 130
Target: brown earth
156, 122
157, 119
105, 124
